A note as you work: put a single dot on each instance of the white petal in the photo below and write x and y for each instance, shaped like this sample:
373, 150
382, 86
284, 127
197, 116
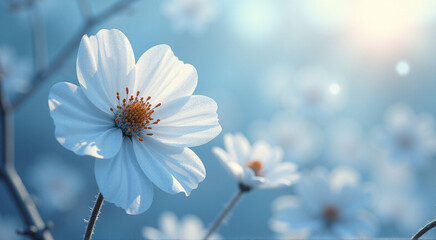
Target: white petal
80, 126
152, 233
122, 182
163, 76
171, 169
238, 147
230, 165
187, 122
283, 174
105, 65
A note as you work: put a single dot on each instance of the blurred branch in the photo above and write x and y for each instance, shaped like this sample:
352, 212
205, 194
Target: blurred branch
45, 73
425, 229
85, 9
36, 226
39, 37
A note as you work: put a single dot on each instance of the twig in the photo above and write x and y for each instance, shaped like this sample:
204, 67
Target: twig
38, 37
42, 75
242, 189
36, 226
94, 217
425, 229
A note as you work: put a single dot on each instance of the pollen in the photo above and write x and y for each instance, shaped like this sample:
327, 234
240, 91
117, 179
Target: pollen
256, 166
133, 115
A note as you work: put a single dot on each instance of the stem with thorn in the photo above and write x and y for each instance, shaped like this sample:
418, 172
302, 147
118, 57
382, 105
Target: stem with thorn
94, 217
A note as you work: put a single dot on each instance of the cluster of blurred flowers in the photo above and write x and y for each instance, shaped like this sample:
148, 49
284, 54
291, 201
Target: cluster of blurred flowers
350, 180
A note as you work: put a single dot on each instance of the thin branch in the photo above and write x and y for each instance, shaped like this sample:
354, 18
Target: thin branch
94, 217
38, 37
42, 75
36, 226
425, 229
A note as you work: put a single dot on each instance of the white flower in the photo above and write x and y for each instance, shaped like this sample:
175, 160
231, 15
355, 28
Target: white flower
192, 15
137, 120
14, 73
407, 136
329, 207
316, 93
348, 144
189, 227
56, 184
257, 166
301, 140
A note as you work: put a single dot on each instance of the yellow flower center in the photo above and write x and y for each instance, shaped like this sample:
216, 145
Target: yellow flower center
256, 166
134, 115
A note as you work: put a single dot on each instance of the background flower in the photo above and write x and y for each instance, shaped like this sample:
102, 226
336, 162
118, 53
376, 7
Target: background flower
257, 166
188, 227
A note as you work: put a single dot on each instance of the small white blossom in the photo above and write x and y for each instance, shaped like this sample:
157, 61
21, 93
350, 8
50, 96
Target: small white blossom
138, 120
57, 185
316, 93
326, 207
189, 227
257, 166
191, 15
407, 136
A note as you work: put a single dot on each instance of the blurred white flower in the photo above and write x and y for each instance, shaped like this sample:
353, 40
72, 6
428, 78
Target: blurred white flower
327, 207
402, 68
189, 227
14, 73
57, 185
396, 200
276, 82
8, 228
191, 15
257, 166
137, 120
316, 93
407, 136
301, 140
347, 143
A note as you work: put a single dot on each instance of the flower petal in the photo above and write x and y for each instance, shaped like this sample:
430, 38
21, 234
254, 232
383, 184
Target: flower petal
187, 122
171, 169
163, 76
80, 126
105, 66
122, 182
230, 165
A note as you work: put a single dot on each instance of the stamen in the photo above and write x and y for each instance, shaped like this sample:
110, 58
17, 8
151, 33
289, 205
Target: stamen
256, 166
134, 116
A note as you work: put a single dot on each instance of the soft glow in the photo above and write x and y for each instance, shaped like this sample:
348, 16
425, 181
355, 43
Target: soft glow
334, 88
402, 68
255, 20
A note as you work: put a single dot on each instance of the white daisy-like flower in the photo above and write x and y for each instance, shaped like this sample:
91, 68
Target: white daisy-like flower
300, 140
57, 185
189, 227
407, 136
327, 207
14, 73
191, 15
138, 120
257, 166
317, 93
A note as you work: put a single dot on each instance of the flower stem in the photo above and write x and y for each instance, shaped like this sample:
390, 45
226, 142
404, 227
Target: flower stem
94, 217
425, 229
227, 210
